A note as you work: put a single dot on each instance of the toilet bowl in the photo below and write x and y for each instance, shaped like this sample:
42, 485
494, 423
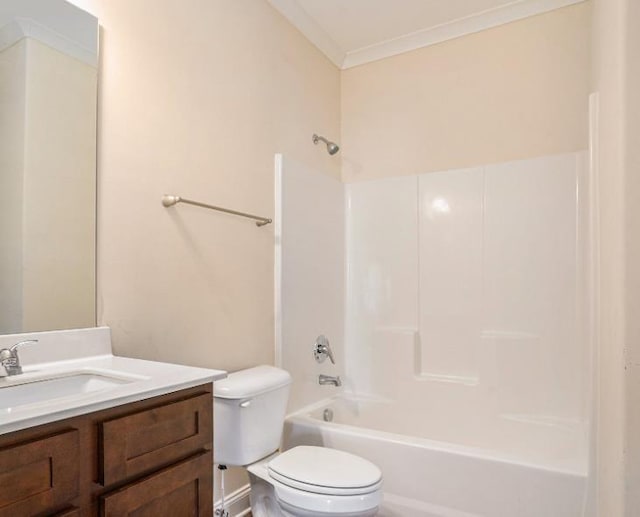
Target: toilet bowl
304, 481
316, 481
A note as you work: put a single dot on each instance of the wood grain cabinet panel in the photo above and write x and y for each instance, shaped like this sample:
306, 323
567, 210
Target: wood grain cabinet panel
151, 457
182, 490
38, 475
136, 444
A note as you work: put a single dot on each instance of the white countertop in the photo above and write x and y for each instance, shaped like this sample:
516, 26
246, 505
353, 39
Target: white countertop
141, 380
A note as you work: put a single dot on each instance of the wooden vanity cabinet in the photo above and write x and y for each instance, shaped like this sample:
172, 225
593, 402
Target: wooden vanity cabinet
28, 468
149, 458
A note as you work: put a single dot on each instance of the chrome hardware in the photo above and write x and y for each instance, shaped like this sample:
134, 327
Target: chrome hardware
328, 380
332, 147
9, 358
322, 350
327, 415
222, 512
168, 201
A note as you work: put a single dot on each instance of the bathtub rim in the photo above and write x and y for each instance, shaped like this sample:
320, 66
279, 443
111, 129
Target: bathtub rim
303, 416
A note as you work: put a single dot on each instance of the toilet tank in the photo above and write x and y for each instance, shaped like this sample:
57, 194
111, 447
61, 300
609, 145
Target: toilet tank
249, 409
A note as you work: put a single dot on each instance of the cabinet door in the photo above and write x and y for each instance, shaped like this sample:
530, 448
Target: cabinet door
137, 444
39, 475
182, 490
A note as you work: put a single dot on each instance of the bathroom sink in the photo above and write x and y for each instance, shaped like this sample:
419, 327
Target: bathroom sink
45, 389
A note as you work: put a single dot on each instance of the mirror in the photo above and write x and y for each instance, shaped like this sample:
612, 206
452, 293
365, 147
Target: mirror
48, 103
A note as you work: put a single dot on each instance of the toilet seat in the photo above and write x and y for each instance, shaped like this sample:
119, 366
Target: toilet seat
303, 498
324, 471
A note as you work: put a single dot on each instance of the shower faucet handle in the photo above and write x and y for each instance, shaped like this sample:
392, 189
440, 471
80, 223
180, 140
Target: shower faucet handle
322, 350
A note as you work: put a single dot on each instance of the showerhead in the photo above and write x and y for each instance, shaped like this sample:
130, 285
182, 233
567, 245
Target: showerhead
332, 147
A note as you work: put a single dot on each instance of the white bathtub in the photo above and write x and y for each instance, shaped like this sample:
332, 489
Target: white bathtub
514, 469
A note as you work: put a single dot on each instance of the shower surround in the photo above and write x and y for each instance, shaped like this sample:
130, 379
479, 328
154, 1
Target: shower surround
458, 302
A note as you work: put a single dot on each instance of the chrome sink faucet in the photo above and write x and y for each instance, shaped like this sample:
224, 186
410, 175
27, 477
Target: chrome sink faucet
328, 380
9, 359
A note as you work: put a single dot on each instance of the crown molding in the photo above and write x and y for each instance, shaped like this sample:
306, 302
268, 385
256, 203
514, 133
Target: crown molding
511, 12
19, 28
454, 29
299, 18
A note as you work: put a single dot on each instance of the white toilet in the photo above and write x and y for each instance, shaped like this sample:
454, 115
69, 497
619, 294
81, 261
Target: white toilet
250, 407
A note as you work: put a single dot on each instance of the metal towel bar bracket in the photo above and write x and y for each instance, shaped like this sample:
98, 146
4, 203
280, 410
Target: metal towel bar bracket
168, 201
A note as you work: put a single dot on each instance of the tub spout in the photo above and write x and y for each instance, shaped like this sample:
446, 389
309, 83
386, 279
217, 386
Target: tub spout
325, 380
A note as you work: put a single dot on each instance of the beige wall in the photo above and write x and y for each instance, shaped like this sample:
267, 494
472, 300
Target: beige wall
515, 91
195, 99
632, 243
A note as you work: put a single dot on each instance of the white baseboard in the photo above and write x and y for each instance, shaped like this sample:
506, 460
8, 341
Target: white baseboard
237, 503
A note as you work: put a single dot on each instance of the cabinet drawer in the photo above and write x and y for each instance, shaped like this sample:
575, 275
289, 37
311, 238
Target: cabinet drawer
139, 443
39, 475
182, 490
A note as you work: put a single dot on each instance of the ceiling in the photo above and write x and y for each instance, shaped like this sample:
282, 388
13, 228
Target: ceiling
353, 32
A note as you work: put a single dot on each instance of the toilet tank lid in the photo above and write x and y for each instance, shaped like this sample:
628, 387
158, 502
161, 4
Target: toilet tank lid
251, 382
